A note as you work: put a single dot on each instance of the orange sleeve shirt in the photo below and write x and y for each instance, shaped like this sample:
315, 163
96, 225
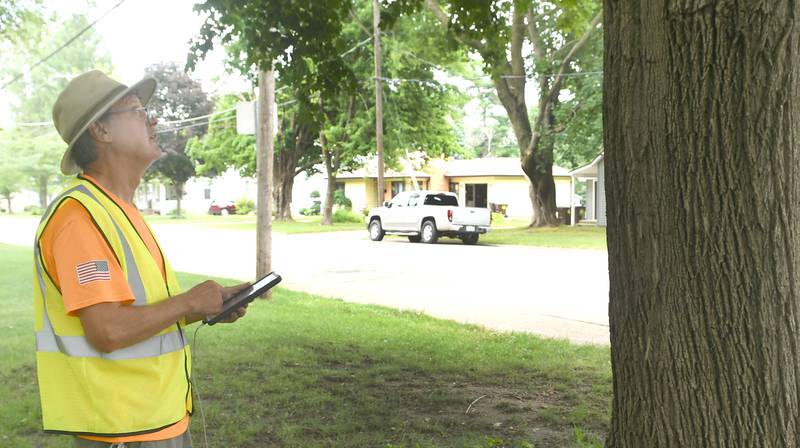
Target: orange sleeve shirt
85, 269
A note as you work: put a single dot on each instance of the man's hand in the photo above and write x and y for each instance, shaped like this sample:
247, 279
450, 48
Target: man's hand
205, 299
229, 292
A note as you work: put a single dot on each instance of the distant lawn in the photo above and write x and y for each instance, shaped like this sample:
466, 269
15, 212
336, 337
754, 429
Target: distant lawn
305, 371
304, 224
578, 237
566, 237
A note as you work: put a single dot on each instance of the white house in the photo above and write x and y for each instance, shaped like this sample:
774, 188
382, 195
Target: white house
595, 177
199, 192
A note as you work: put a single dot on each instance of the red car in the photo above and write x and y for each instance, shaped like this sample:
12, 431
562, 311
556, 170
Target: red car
227, 208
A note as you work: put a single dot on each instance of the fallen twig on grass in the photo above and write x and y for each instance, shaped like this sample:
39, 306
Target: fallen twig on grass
476, 400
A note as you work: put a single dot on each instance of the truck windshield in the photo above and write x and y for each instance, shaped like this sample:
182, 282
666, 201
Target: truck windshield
441, 199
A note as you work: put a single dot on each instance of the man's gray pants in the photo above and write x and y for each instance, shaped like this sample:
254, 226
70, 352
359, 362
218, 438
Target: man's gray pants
182, 441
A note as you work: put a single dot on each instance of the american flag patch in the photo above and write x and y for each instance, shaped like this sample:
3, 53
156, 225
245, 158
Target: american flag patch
93, 271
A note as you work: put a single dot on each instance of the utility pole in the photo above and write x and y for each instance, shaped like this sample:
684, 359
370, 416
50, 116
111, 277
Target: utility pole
264, 159
376, 22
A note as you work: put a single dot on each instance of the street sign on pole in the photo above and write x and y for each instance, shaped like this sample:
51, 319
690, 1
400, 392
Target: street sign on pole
246, 118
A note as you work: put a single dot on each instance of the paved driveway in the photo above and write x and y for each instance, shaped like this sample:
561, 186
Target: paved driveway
552, 292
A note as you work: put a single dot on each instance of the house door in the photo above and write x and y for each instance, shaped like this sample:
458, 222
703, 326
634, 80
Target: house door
477, 195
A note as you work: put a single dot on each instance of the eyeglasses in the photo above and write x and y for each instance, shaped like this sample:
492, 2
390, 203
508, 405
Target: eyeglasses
149, 115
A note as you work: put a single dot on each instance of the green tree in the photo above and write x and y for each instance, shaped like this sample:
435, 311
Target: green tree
419, 112
222, 147
178, 97
11, 179
578, 131
16, 16
300, 40
319, 51
296, 149
498, 31
39, 147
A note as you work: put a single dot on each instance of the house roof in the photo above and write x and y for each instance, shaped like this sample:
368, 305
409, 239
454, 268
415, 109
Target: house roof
362, 173
589, 170
489, 166
492, 166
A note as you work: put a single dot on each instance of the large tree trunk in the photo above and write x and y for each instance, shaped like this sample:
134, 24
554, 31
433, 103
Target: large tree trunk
701, 107
178, 196
8, 201
282, 197
283, 180
536, 159
543, 198
42, 182
327, 205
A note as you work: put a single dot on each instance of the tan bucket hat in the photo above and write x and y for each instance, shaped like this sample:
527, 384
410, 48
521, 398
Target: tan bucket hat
85, 99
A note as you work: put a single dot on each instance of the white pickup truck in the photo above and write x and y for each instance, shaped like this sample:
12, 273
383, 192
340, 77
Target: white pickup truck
427, 215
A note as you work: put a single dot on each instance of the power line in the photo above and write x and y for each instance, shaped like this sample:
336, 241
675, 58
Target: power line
185, 120
163, 131
57, 50
199, 117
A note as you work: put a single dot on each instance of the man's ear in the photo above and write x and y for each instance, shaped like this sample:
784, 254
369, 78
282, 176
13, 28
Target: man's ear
100, 132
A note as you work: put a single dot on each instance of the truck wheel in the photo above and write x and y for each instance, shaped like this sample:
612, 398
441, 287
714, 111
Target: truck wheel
471, 238
375, 230
429, 233
414, 238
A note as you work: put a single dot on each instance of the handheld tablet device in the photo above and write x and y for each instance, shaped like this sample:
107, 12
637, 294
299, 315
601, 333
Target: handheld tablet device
244, 297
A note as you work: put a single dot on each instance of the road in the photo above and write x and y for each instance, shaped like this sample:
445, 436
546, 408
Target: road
560, 293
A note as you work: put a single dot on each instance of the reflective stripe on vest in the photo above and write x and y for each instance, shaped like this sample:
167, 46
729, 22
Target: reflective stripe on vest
78, 346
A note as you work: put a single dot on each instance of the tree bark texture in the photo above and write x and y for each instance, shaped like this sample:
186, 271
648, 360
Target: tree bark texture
42, 182
291, 160
701, 115
282, 195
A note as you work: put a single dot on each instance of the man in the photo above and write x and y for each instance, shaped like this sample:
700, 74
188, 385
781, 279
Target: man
113, 362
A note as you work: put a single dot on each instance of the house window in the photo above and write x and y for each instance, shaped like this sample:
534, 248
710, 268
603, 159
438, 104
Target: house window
397, 187
207, 193
476, 195
454, 188
340, 186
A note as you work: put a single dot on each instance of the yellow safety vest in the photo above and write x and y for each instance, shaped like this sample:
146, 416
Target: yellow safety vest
135, 390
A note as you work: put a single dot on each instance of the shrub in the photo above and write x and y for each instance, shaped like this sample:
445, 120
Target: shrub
344, 215
316, 207
33, 209
341, 200
244, 206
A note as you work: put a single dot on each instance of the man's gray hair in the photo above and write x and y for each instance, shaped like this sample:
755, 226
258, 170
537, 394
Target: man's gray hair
84, 152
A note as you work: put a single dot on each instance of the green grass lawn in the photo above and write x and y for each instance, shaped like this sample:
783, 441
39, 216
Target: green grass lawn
578, 237
304, 224
305, 371
565, 237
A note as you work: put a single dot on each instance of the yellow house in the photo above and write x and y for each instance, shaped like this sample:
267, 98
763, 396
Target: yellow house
489, 182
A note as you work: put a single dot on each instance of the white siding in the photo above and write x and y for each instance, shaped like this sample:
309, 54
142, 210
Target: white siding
562, 191
515, 194
601, 193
